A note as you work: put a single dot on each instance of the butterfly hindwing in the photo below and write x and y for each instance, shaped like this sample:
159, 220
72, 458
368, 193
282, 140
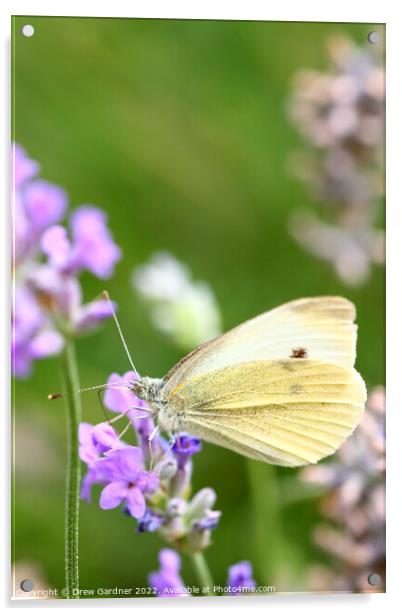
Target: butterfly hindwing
288, 412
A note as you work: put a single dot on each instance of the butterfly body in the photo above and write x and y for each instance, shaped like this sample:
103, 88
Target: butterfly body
280, 388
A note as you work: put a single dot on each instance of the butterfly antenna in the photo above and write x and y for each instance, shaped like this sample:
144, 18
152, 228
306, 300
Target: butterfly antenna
94, 388
106, 296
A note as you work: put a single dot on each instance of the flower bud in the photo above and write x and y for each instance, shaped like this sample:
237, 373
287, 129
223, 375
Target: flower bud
200, 503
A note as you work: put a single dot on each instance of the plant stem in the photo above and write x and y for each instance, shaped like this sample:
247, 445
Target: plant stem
203, 573
268, 533
73, 478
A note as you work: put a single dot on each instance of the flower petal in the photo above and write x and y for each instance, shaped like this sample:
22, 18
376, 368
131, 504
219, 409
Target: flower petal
90, 315
135, 502
44, 203
127, 462
56, 245
118, 399
24, 168
169, 560
94, 248
87, 482
112, 495
48, 342
104, 437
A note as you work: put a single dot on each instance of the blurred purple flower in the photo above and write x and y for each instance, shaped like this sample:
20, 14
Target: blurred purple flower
44, 203
32, 336
340, 115
48, 299
240, 578
24, 168
150, 522
167, 580
91, 248
355, 502
61, 294
37, 206
122, 469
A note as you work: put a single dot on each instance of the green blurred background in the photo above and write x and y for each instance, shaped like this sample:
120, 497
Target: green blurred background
178, 129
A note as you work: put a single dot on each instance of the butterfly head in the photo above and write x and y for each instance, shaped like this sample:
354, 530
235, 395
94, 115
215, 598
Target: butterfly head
147, 388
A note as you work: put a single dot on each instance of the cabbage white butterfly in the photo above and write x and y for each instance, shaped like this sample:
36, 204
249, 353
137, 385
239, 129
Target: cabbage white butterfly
279, 388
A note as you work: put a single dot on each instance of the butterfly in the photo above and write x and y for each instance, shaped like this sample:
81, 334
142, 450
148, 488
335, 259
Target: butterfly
281, 387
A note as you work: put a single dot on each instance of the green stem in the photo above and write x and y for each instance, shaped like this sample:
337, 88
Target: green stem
269, 542
73, 478
203, 573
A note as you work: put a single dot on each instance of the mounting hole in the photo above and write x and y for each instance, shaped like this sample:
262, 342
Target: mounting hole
27, 585
374, 579
28, 30
374, 37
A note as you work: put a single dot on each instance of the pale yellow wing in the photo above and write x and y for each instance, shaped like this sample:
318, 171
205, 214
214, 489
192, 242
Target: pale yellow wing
289, 412
322, 326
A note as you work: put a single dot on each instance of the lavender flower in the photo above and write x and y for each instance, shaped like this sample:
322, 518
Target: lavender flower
185, 446
340, 115
33, 337
167, 580
120, 399
354, 504
94, 440
48, 303
24, 168
240, 578
150, 522
160, 499
127, 482
91, 247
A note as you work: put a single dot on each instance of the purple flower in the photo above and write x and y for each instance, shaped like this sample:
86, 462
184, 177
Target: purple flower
184, 447
118, 397
44, 203
62, 294
90, 315
33, 337
150, 522
48, 297
95, 440
209, 521
127, 482
91, 248
24, 168
167, 580
240, 578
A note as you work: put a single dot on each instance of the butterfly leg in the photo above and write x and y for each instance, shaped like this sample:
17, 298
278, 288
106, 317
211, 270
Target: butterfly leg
130, 408
150, 439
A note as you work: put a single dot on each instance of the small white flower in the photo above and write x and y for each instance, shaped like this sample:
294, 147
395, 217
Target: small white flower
186, 311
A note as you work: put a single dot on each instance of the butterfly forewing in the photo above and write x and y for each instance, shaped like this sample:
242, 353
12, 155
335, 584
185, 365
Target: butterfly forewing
322, 326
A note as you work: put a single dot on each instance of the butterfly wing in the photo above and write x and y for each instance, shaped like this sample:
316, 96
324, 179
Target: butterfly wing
290, 412
322, 326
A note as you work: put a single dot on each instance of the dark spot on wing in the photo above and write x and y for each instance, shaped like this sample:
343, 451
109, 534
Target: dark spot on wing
296, 389
299, 353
